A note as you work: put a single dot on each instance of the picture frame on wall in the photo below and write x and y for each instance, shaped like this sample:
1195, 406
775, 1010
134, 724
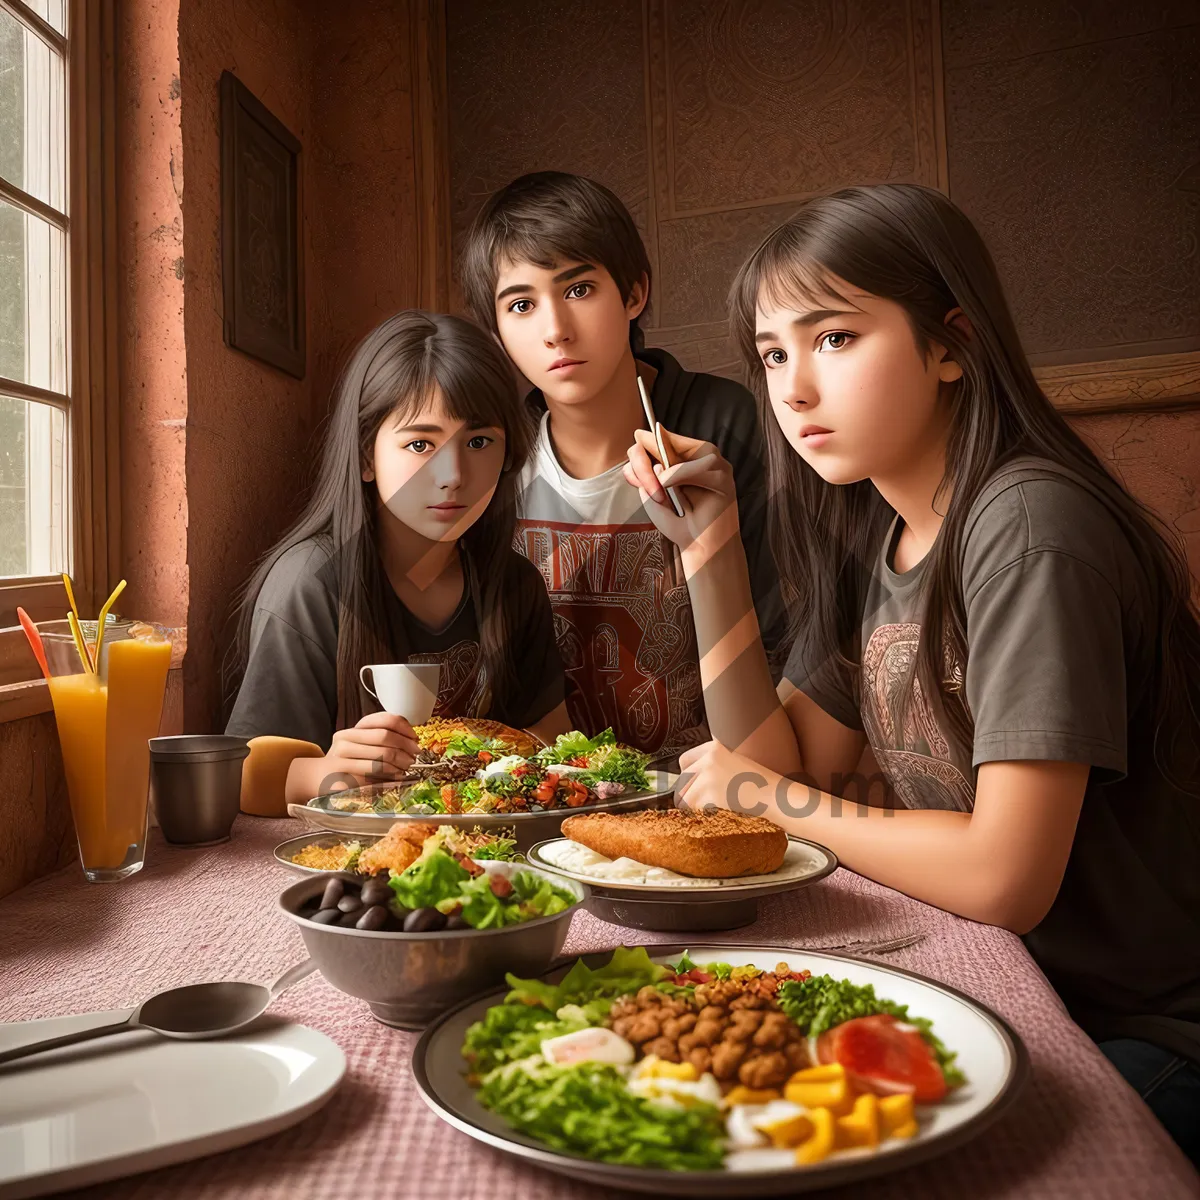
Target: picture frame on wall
262, 265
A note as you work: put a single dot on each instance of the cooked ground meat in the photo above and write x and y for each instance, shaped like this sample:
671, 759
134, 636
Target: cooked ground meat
733, 1028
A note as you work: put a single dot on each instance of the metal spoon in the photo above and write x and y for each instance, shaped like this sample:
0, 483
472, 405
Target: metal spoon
191, 1014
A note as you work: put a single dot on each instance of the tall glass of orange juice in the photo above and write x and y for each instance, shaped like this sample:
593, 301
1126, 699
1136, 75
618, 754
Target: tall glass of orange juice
105, 723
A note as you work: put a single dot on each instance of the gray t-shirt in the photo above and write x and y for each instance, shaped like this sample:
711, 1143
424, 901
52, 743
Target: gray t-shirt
1061, 666
290, 685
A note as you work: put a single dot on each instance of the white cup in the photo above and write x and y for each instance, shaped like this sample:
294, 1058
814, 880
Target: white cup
407, 689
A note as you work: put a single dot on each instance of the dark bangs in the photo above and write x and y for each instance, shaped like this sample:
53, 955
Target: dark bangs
427, 352
547, 218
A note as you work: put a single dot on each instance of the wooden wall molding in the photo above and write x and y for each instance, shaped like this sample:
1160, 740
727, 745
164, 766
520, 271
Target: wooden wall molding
1159, 381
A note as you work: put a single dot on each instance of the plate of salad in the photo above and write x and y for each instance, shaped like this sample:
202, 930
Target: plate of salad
721, 1070
469, 784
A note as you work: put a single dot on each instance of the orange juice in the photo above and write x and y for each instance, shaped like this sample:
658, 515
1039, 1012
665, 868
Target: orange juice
104, 726
80, 708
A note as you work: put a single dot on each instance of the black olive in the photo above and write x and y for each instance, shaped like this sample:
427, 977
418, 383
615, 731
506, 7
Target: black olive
325, 916
424, 920
374, 918
335, 889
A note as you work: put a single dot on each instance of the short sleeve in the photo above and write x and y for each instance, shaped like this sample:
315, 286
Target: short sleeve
824, 679
290, 685
289, 688
538, 667
1045, 675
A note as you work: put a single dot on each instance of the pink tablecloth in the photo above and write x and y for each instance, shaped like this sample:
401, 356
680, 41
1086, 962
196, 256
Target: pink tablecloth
1076, 1131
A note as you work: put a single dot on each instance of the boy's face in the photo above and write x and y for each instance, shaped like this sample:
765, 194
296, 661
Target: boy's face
565, 327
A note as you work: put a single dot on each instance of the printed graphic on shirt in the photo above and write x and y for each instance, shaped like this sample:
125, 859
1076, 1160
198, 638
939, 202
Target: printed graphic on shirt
625, 631
459, 679
908, 745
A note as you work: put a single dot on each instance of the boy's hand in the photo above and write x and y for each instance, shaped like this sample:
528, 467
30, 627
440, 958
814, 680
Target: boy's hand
702, 480
380, 748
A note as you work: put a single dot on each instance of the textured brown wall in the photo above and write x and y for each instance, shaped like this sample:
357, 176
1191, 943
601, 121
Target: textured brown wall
248, 424
1071, 134
709, 119
1074, 144
363, 172
340, 80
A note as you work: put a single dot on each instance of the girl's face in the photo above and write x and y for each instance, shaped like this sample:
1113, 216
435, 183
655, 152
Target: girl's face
435, 474
848, 385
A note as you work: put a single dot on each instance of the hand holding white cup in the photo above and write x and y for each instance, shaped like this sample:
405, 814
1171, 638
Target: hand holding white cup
407, 690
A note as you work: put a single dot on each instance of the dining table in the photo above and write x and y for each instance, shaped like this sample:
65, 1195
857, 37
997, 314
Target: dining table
193, 914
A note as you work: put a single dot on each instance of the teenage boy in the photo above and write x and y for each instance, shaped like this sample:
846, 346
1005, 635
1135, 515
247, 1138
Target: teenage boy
556, 268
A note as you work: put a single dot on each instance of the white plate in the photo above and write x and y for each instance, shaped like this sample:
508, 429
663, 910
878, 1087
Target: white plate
989, 1053
802, 861
134, 1102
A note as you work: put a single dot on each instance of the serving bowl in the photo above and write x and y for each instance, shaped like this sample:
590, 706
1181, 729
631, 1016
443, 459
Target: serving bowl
407, 979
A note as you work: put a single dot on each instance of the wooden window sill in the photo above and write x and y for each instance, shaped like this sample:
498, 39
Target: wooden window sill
23, 692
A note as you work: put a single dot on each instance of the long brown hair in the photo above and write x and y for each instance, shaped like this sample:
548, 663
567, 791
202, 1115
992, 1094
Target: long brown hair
393, 371
911, 245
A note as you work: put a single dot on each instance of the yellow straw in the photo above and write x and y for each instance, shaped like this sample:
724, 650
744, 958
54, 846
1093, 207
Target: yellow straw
75, 610
80, 644
104, 616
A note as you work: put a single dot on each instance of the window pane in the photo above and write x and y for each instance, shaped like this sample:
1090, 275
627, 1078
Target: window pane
32, 114
33, 288
35, 505
53, 12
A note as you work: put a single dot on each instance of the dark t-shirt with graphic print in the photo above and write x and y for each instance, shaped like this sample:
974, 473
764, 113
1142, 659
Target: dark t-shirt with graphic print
290, 685
1062, 666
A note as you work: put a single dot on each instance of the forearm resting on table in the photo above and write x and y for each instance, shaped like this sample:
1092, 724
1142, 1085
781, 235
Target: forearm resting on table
306, 778
742, 706
1001, 864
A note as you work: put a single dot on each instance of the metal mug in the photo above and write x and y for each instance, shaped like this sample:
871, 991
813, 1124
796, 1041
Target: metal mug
195, 785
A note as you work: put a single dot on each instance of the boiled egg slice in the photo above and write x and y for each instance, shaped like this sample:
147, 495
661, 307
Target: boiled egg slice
588, 1045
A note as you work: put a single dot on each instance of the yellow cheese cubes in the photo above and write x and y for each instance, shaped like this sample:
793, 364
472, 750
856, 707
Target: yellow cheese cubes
821, 1142
821, 1087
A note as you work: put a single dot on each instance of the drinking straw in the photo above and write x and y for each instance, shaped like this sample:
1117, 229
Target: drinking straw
35, 640
104, 617
80, 644
75, 609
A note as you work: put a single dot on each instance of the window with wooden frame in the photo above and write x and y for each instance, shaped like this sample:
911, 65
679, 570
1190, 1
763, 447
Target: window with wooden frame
58, 428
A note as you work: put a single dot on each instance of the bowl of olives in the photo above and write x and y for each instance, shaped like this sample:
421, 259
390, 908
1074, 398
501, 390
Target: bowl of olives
411, 964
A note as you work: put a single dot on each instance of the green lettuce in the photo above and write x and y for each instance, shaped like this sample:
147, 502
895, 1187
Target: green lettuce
821, 1002
619, 764
626, 971
508, 1032
428, 881
498, 849
587, 1110
426, 793
574, 745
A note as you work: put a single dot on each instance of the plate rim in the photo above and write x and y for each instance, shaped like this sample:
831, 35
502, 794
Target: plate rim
187, 1149
305, 812
630, 892
826, 1174
289, 865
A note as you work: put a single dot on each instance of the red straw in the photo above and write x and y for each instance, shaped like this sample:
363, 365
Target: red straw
35, 640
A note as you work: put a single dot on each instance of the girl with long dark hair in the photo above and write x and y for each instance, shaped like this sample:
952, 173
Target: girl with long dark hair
403, 554
977, 600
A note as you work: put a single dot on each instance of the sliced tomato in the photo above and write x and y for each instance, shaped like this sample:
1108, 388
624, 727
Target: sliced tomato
484, 756
884, 1056
579, 760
